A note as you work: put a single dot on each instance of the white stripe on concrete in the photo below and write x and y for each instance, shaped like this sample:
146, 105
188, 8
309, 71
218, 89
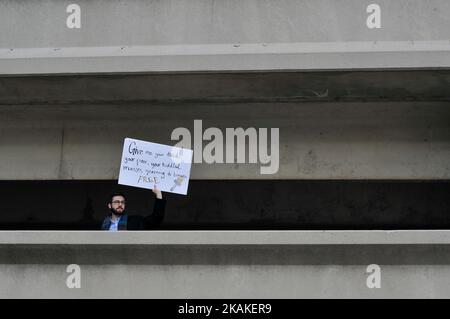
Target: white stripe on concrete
229, 48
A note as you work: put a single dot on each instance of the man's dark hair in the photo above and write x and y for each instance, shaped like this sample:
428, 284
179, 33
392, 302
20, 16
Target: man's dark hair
116, 194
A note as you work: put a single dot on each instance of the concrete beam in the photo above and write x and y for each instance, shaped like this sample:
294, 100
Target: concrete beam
351, 86
225, 238
413, 264
114, 23
229, 57
214, 36
394, 140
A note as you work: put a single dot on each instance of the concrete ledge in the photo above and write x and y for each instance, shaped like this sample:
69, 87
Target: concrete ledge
225, 264
225, 238
227, 57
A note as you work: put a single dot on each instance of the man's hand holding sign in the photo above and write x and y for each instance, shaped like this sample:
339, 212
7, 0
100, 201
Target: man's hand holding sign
156, 191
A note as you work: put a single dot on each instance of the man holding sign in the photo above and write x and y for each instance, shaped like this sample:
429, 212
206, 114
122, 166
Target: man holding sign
146, 165
120, 220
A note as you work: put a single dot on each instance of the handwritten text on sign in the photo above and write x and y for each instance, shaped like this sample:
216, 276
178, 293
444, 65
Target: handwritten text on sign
145, 163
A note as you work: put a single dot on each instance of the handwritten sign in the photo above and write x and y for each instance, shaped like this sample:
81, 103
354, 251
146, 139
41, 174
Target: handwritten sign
145, 164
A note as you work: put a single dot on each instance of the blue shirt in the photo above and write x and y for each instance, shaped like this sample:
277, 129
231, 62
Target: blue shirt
114, 225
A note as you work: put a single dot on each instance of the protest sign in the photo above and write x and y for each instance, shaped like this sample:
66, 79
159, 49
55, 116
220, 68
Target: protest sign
146, 165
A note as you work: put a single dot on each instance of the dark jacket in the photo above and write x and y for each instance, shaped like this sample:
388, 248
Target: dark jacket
137, 222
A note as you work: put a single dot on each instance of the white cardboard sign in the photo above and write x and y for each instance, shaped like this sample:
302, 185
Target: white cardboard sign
144, 163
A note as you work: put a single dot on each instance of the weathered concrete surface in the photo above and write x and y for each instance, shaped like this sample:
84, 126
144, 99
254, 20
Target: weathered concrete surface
392, 140
387, 138
28, 24
224, 238
227, 282
225, 264
271, 57
351, 86
209, 35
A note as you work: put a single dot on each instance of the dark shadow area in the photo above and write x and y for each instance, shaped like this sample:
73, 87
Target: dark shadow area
281, 86
235, 205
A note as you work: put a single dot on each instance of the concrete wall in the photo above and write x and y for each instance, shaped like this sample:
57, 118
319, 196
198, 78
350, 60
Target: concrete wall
28, 24
209, 35
332, 125
414, 264
407, 140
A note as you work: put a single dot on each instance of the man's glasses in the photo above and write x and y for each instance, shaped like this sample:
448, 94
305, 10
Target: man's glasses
118, 202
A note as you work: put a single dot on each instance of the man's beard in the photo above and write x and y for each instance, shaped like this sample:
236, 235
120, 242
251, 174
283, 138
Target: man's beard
115, 212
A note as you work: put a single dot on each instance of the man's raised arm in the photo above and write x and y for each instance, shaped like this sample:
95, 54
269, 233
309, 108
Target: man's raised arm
156, 217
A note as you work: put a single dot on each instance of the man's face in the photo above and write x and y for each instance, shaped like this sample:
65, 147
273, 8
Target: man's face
117, 205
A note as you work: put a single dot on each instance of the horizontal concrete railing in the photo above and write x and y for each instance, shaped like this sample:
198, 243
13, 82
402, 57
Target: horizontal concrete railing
227, 57
225, 238
221, 36
225, 264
